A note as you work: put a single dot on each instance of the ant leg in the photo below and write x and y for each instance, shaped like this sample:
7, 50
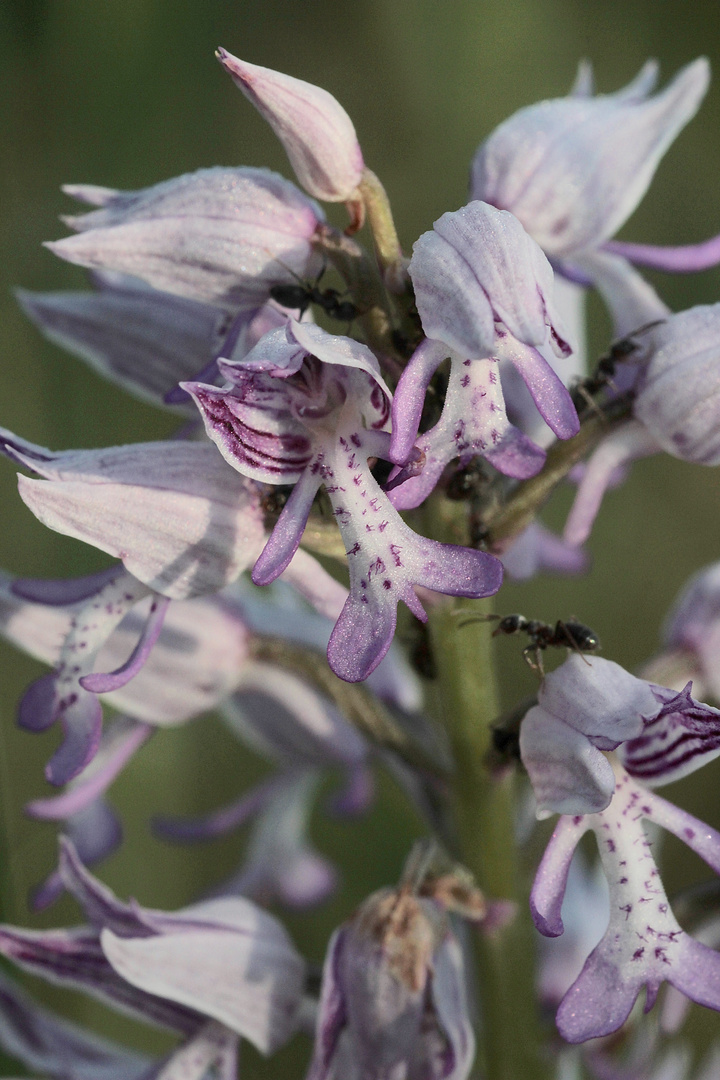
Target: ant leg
532, 654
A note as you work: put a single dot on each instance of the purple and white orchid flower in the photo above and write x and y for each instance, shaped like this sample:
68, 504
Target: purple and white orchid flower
659, 736
225, 960
310, 409
573, 169
219, 236
484, 292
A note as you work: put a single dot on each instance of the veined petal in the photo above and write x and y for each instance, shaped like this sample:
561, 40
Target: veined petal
479, 266
145, 341
681, 738
220, 236
180, 520
317, 133
573, 170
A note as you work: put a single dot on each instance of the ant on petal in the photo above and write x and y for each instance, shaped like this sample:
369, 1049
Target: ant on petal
583, 393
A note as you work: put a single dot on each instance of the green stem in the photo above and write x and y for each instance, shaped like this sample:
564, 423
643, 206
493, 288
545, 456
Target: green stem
510, 1045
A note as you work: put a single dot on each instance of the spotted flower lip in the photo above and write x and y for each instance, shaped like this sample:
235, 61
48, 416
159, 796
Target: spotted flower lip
573, 169
311, 411
315, 130
219, 236
643, 944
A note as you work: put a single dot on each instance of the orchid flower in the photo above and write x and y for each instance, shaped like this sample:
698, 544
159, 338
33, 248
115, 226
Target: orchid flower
309, 409
315, 130
573, 169
218, 236
484, 291
225, 960
673, 735
393, 999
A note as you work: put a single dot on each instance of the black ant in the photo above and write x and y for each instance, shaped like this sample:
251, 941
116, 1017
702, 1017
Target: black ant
299, 297
582, 394
571, 634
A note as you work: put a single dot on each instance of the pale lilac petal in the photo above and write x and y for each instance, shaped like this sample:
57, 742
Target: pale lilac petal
62, 591
317, 133
95, 832
251, 984
473, 422
573, 170
179, 518
258, 440
551, 397
548, 889
677, 397
119, 743
478, 265
599, 699
686, 259
629, 443
449, 995
99, 904
103, 683
219, 236
92, 194
410, 397
332, 1012
143, 340
632, 301
568, 774
214, 1047
285, 538
701, 838
54, 1047
220, 822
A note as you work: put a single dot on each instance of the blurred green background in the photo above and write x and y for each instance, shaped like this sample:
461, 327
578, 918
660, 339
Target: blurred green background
126, 93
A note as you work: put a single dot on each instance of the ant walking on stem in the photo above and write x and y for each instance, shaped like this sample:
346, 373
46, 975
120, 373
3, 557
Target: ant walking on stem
570, 634
583, 393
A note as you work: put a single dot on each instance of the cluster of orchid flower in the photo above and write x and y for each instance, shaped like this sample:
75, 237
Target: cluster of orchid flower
462, 368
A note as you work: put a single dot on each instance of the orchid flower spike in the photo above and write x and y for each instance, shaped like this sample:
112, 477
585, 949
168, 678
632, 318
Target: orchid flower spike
307, 408
220, 236
484, 291
315, 130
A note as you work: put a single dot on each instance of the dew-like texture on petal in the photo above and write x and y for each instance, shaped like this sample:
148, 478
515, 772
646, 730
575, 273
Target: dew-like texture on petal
678, 398
317, 133
684, 736
52, 1046
573, 169
143, 340
178, 517
568, 773
219, 236
478, 265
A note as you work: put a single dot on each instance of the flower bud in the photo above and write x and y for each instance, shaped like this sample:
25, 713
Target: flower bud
317, 133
